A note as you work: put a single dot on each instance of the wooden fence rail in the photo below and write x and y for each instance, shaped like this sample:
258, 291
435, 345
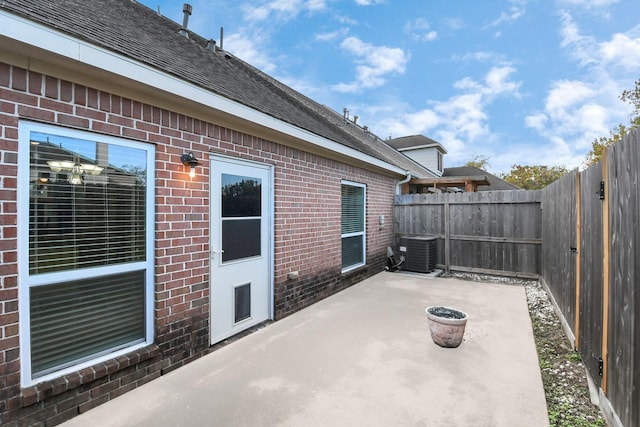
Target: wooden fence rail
486, 232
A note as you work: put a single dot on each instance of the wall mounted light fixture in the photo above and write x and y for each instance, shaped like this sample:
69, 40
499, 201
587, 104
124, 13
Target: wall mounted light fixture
190, 160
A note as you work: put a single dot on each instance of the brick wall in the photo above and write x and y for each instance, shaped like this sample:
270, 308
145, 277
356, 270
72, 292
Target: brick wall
308, 229
307, 234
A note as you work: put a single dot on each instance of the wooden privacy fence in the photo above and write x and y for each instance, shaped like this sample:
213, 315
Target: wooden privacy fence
591, 254
580, 236
493, 232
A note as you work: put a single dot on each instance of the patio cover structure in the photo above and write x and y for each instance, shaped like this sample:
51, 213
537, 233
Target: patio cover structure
423, 185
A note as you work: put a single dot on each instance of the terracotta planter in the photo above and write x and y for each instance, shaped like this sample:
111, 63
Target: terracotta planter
446, 325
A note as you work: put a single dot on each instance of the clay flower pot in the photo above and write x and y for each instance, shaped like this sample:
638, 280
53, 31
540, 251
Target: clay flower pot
446, 325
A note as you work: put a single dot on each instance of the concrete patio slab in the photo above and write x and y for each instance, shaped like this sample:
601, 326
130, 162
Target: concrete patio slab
362, 357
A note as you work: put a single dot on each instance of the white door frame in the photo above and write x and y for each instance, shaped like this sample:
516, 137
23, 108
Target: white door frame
270, 232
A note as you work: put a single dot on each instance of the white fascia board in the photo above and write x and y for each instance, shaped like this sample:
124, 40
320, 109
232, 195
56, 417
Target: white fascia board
421, 147
39, 36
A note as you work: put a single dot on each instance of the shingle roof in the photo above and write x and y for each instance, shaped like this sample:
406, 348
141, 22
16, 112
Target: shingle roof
138, 32
408, 142
495, 183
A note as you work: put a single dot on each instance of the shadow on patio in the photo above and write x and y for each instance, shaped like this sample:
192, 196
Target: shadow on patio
361, 357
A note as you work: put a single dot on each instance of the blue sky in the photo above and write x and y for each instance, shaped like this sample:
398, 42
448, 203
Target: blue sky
528, 82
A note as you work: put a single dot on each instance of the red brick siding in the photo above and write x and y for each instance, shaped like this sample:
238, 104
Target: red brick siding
307, 234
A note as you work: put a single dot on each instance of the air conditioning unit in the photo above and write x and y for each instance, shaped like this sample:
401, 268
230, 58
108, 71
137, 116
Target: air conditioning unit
419, 253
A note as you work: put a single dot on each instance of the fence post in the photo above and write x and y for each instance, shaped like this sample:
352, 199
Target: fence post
605, 271
447, 236
578, 256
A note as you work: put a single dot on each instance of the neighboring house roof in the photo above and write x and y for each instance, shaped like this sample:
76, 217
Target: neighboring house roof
141, 34
495, 183
415, 142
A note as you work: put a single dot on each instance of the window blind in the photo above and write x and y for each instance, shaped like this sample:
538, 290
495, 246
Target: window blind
353, 226
90, 225
352, 209
75, 320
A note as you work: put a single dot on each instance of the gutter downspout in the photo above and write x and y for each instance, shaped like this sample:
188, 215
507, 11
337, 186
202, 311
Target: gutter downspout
404, 181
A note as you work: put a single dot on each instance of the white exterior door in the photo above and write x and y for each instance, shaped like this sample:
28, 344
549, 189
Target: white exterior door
241, 252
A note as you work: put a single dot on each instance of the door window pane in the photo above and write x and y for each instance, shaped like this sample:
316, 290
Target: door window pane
241, 196
240, 238
241, 212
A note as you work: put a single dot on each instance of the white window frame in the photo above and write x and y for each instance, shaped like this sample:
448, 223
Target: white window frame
362, 233
26, 281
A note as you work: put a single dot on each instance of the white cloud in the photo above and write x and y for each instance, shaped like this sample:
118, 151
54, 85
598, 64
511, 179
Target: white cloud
256, 13
454, 23
565, 95
537, 121
313, 5
374, 64
623, 50
430, 36
346, 20
580, 47
480, 56
573, 115
247, 48
333, 35
368, 2
424, 118
588, 4
283, 10
515, 12
460, 122
496, 82
420, 30
465, 114
576, 112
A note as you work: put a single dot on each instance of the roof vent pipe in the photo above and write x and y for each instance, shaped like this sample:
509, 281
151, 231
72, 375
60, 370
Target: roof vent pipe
211, 45
345, 111
221, 38
186, 10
